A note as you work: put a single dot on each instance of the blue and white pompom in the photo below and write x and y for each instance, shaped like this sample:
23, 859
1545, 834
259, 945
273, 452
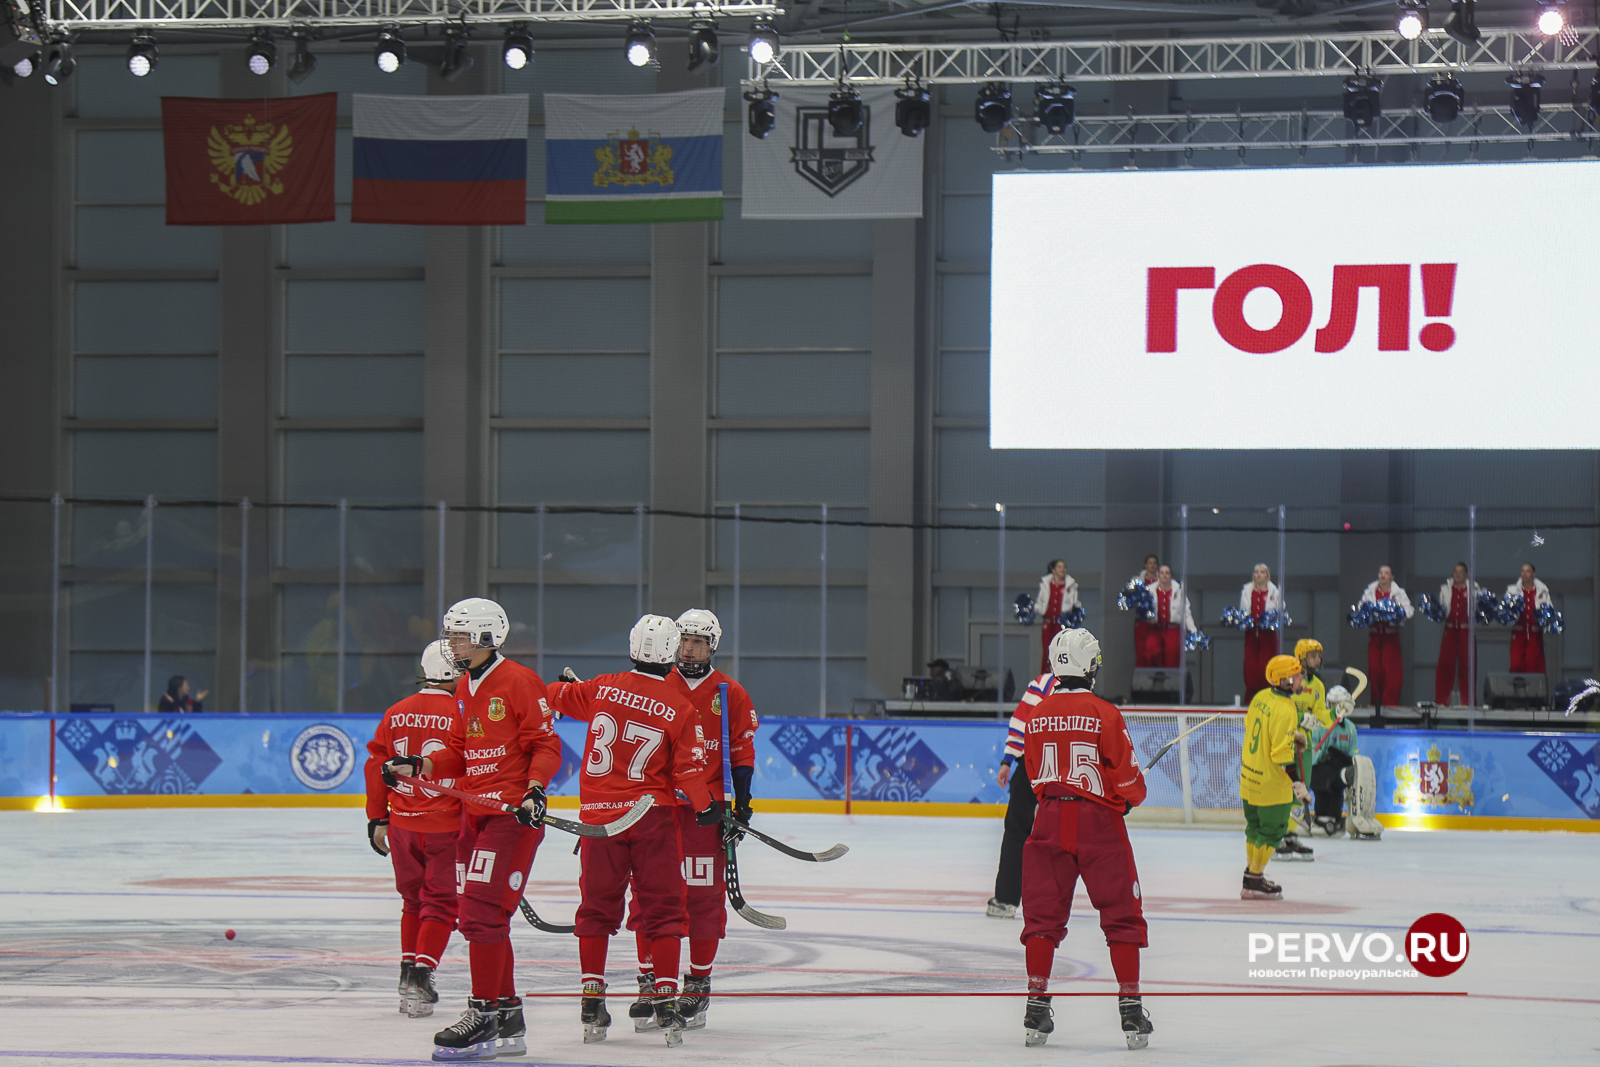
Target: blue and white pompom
1388, 610
1239, 620
1273, 620
1197, 642
1431, 609
1508, 610
1024, 609
1360, 615
1135, 597
1071, 620
1549, 619
1488, 608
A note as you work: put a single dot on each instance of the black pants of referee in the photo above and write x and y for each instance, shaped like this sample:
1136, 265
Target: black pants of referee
1019, 824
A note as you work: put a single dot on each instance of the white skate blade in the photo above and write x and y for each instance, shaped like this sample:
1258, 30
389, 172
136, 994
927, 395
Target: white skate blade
1256, 894
417, 1008
695, 1022
1137, 1041
483, 1050
593, 1034
405, 1004
1292, 857
511, 1046
1001, 911
1033, 1038
646, 1025
674, 1037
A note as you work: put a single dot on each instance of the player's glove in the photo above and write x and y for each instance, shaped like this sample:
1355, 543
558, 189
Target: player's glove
741, 802
1308, 722
378, 835
412, 764
530, 812
568, 675
710, 816
1301, 793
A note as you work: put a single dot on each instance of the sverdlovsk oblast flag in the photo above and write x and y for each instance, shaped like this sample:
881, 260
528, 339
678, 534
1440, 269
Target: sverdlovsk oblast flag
440, 160
655, 158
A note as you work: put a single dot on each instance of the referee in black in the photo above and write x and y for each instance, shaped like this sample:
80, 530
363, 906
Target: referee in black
1019, 808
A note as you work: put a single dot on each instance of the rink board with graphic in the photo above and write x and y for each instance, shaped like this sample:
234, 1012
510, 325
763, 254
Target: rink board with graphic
1446, 773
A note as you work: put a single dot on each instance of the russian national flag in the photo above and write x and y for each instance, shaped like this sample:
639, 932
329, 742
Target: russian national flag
441, 160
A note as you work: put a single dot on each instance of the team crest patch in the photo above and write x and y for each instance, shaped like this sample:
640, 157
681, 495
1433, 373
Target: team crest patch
497, 709
474, 726
716, 705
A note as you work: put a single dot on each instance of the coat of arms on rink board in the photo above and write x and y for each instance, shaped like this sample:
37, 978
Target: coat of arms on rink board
125, 757
891, 764
1575, 773
322, 757
1434, 779
827, 161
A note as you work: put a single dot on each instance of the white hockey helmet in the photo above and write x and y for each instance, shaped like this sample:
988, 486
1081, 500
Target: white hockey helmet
438, 665
698, 622
653, 639
482, 620
1074, 654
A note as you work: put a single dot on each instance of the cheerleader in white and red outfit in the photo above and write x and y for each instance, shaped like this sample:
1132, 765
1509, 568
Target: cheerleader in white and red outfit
1258, 597
1383, 641
1164, 642
1458, 598
1141, 627
1058, 592
1527, 639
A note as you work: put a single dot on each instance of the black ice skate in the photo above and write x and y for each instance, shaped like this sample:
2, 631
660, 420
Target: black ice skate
643, 1010
474, 1037
513, 1040
997, 910
1038, 1022
420, 994
694, 1002
1292, 849
404, 988
1136, 1026
594, 1016
1256, 887
667, 1017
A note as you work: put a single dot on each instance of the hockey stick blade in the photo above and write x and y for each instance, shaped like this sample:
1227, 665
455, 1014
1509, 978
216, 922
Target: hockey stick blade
800, 854
539, 924
582, 829
730, 873
1170, 744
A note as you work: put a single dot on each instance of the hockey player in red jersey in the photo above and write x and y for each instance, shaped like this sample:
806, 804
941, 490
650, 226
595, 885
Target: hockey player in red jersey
699, 634
1083, 767
417, 829
503, 745
643, 740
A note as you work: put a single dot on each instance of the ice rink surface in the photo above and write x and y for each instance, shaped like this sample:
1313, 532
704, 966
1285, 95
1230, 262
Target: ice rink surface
112, 950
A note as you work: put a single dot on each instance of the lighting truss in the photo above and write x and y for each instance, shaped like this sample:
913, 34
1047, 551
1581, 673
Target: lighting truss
1382, 53
1295, 130
77, 16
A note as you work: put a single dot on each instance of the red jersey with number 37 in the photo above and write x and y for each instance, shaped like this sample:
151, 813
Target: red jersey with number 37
417, 726
644, 739
706, 696
1076, 744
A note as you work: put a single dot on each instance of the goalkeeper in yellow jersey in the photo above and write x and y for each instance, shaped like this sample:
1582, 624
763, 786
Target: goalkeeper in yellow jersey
1269, 773
1311, 703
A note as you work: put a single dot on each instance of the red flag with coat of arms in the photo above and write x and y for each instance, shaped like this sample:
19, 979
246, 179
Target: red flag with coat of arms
249, 162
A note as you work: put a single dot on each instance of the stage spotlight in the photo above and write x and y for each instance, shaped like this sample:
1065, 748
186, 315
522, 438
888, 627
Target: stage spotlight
704, 51
23, 67
1525, 97
390, 53
763, 42
763, 112
640, 44
1053, 107
58, 62
1413, 19
301, 67
1445, 97
454, 61
913, 110
142, 55
1462, 25
1552, 18
845, 111
993, 110
1362, 101
263, 54
518, 49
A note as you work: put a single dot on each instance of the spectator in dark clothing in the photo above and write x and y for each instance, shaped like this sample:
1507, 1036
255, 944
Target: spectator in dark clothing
177, 697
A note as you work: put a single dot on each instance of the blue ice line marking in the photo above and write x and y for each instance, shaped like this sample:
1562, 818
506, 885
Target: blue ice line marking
200, 1057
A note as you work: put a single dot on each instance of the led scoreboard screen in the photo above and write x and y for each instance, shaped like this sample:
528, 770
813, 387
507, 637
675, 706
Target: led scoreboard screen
1448, 306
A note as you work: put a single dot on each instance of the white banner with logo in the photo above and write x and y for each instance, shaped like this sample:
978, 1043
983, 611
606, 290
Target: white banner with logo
801, 170
1350, 307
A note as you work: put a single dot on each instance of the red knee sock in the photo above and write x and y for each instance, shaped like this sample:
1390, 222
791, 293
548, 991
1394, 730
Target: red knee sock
702, 954
1125, 962
508, 978
592, 957
665, 951
490, 963
410, 923
1041, 956
642, 943
431, 941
